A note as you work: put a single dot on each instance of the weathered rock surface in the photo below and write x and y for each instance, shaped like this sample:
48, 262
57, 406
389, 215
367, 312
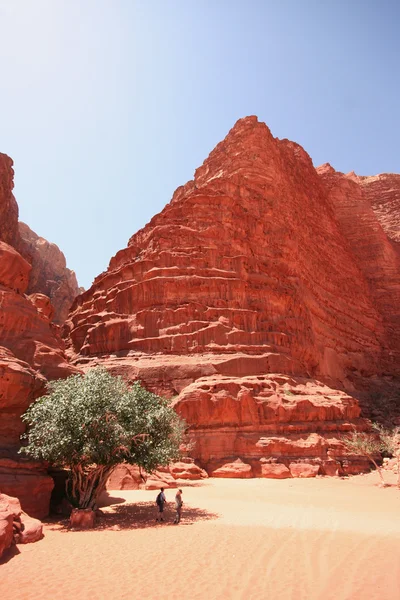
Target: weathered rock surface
262, 278
235, 469
31, 352
49, 275
130, 477
383, 192
6, 529
83, 518
275, 416
15, 525
274, 470
8, 204
302, 469
27, 480
14, 270
246, 258
373, 253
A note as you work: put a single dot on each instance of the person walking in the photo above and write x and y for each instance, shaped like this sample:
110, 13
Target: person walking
160, 501
178, 506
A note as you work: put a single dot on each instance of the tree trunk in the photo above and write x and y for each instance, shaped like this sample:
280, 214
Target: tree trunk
85, 485
379, 469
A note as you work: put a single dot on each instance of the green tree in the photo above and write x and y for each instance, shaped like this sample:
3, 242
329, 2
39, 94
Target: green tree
365, 444
390, 443
90, 423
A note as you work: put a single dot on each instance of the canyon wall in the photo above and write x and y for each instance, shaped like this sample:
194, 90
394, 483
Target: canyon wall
31, 352
251, 300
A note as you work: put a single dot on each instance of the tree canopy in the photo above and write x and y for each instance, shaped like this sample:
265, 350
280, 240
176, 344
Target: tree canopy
90, 423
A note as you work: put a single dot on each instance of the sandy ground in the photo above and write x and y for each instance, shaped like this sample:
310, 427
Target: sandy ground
300, 539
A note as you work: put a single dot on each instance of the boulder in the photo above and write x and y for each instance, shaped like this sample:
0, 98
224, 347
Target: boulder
6, 531
82, 518
274, 471
302, 469
236, 469
187, 470
32, 530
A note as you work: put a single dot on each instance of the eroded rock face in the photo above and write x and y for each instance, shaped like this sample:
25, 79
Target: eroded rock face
49, 274
8, 204
372, 250
31, 352
246, 258
15, 525
262, 278
130, 477
276, 416
383, 192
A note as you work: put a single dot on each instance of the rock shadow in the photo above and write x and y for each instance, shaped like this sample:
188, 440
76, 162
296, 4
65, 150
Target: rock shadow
9, 554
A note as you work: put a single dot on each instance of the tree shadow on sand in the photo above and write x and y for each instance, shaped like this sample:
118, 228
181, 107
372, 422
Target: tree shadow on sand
140, 515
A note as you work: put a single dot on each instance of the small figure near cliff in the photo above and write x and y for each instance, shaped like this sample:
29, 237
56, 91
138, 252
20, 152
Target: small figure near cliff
160, 501
178, 506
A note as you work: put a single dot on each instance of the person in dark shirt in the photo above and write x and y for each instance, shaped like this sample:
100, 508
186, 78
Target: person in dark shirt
161, 501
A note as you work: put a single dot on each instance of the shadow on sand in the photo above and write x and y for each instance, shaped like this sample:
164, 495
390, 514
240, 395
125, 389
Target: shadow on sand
140, 515
9, 554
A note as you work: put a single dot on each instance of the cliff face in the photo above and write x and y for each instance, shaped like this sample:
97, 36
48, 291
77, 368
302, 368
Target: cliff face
8, 205
383, 192
366, 227
251, 273
49, 274
247, 257
31, 352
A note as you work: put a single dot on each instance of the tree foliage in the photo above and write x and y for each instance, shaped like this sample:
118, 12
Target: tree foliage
390, 444
90, 423
366, 444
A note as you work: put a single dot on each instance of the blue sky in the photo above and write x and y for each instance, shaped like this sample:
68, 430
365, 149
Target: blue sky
106, 106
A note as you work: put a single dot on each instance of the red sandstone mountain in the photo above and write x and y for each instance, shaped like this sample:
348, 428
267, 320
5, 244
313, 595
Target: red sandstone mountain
31, 352
49, 274
256, 281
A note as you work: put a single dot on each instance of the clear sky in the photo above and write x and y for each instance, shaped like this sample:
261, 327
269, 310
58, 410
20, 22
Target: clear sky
106, 106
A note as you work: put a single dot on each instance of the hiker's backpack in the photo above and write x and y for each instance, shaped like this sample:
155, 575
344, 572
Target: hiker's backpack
158, 499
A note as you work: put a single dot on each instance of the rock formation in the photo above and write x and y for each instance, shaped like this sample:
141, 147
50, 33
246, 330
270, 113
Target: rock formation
31, 352
383, 192
255, 284
16, 527
49, 274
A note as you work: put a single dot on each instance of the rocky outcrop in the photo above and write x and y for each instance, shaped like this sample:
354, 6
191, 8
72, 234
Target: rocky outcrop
31, 352
253, 285
130, 477
49, 274
283, 418
8, 204
16, 527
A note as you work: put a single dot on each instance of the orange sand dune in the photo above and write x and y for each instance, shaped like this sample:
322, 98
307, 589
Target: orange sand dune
307, 539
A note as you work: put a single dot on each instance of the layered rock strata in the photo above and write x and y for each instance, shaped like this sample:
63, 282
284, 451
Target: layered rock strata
372, 251
31, 352
383, 192
254, 272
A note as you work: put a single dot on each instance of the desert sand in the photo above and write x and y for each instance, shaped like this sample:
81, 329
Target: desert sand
302, 539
